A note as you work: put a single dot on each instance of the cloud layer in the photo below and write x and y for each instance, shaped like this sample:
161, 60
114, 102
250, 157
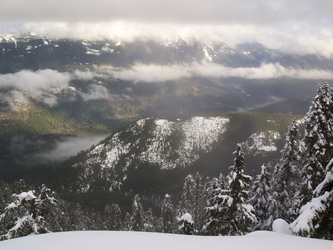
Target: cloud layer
296, 38
35, 84
290, 25
43, 86
157, 73
185, 11
69, 146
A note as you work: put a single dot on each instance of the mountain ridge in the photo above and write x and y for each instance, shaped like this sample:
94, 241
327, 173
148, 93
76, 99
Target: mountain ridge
175, 145
33, 48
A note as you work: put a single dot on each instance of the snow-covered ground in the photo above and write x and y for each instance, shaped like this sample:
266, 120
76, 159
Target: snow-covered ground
100, 240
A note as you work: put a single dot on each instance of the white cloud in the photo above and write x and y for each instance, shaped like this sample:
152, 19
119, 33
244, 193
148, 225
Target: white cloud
83, 75
36, 84
152, 73
14, 99
158, 73
95, 92
297, 38
172, 11
265, 71
31, 81
42, 86
290, 25
69, 146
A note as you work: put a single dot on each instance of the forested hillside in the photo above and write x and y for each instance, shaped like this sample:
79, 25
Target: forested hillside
297, 188
153, 155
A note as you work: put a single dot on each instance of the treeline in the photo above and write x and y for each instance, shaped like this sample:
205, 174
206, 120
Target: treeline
298, 189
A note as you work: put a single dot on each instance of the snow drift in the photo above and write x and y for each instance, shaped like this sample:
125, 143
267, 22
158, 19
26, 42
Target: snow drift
87, 240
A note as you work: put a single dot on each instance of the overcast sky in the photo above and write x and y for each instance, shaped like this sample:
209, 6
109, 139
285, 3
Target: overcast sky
177, 11
302, 26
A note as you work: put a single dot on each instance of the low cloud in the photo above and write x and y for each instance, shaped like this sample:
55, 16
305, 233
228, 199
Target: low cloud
95, 92
14, 99
42, 85
158, 73
271, 99
69, 146
35, 84
265, 71
29, 81
152, 73
83, 75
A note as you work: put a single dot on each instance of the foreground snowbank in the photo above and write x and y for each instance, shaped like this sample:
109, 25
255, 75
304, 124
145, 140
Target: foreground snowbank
87, 240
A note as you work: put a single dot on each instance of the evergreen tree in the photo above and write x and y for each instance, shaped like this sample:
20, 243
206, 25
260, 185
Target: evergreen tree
185, 203
150, 225
285, 176
93, 220
186, 224
261, 199
274, 209
317, 144
192, 200
167, 215
198, 202
240, 214
315, 218
217, 205
27, 213
127, 222
78, 221
5, 195
112, 218
62, 217
138, 216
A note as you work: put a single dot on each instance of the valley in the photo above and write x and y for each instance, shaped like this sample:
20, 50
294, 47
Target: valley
57, 92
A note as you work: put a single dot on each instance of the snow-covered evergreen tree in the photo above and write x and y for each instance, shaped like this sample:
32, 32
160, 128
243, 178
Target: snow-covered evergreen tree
65, 217
192, 200
240, 213
285, 176
274, 209
127, 222
217, 205
199, 202
78, 220
315, 218
26, 214
186, 224
167, 215
150, 221
185, 203
138, 216
317, 144
228, 211
261, 199
112, 217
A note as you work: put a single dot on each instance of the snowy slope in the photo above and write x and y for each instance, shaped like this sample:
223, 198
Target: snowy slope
151, 241
151, 148
259, 143
197, 133
165, 143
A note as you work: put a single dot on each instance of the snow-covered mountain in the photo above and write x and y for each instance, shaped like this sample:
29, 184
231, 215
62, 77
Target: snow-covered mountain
30, 51
152, 148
